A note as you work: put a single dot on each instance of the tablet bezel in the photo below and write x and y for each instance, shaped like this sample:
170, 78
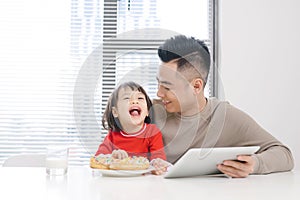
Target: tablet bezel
204, 161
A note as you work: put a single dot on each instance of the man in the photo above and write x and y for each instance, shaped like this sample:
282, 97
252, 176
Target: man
190, 120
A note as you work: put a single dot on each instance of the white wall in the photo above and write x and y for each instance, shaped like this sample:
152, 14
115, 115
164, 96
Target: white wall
260, 64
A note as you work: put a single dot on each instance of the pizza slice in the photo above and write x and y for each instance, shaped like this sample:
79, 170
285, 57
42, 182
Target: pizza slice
130, 163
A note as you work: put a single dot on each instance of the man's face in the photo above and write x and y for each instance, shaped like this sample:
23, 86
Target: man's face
175, 90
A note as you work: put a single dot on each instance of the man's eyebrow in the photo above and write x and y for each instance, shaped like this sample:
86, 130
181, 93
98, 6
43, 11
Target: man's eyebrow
163, 82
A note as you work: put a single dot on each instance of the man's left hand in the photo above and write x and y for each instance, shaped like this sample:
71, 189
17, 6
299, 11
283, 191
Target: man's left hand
240, 168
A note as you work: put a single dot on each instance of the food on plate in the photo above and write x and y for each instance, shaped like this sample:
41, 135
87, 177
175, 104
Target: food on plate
100, 162
129, 163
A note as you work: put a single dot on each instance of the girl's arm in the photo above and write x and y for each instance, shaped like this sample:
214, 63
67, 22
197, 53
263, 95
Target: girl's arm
106, 147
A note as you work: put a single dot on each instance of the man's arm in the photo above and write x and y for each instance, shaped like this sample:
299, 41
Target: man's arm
262, 163
273, 156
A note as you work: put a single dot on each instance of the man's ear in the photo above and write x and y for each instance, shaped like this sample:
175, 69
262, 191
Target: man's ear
198, 85
114, 111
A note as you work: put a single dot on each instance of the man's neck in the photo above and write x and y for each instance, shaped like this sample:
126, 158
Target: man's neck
201, 103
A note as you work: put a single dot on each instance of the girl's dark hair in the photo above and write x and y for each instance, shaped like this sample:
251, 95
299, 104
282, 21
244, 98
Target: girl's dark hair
113, 123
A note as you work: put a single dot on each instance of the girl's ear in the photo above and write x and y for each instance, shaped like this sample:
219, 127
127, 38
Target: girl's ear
114, 111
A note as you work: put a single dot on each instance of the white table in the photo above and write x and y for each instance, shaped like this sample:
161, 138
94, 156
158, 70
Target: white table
81, 184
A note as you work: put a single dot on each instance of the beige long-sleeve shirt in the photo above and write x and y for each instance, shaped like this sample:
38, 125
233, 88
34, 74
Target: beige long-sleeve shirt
221, 125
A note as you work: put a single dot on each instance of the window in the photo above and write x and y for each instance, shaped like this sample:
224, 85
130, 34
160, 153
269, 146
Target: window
60, 60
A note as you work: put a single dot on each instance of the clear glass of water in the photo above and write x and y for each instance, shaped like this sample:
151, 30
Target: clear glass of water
57, 160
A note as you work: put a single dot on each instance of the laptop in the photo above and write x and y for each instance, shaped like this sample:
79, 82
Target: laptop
204, 161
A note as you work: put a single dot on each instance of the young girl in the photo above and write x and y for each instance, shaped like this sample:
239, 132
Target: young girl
127, 118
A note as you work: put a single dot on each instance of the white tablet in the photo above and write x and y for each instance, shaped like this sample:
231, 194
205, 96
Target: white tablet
204, 161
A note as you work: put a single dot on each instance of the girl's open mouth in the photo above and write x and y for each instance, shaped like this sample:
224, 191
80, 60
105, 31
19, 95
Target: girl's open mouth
135, 111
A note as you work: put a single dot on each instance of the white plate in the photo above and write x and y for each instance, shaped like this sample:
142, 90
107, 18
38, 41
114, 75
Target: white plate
123, 173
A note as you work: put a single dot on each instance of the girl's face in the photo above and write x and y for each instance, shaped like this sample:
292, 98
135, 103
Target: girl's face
131, 109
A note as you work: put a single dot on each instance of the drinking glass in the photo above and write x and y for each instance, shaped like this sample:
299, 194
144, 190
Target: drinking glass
57, 160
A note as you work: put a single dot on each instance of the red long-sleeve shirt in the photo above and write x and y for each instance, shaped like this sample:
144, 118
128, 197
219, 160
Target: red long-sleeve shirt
147, 142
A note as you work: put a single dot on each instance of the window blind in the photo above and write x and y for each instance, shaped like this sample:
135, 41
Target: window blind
58, 70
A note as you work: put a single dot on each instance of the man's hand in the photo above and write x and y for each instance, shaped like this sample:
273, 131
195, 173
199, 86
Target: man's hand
238, 169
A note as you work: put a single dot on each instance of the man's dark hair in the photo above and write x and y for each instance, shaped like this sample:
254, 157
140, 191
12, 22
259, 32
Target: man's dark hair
189, 52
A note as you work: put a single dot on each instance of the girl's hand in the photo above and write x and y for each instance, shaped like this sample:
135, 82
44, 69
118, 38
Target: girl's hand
160, 165
119, 154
